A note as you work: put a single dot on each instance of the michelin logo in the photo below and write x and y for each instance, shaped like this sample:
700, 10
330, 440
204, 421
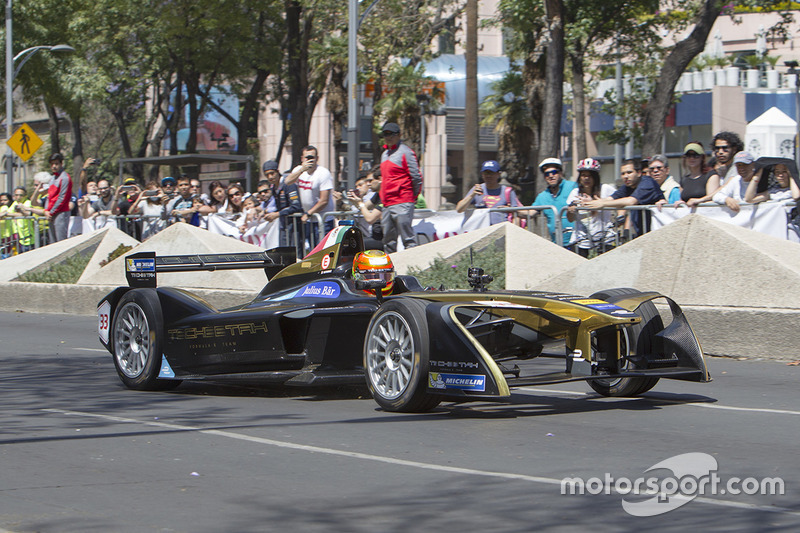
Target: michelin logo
438, 380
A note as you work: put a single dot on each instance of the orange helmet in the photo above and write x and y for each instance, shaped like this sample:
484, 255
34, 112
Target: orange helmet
374, 264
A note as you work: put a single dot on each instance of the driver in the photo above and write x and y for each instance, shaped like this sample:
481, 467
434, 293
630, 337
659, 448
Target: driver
374, 264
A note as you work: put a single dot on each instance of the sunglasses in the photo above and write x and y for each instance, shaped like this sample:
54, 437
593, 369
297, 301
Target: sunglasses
262, 191
389, 133
231, 195
656, 169
551, 172
691, 154
723, 147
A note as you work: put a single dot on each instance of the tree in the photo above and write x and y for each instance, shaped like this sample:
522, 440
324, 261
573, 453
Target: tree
506, 108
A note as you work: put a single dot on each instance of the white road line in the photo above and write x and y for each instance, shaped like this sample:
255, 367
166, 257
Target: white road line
678, 402
388, 460
91, 350
746, 409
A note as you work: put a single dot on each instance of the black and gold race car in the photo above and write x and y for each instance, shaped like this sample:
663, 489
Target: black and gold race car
314, 324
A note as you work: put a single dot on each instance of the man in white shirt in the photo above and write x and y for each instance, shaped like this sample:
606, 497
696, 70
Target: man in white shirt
315, 184
734, 190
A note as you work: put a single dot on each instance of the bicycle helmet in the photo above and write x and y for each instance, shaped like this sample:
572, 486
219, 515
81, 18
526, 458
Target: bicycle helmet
589, 164
374, 264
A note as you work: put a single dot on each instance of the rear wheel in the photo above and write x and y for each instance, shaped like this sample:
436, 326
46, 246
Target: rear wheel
137, 340
636, 339
396, 357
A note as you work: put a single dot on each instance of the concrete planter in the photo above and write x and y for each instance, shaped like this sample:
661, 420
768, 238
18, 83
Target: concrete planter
708, 79
685, 82
697, 81
753, 78
789, 80
773, 79
720, 78
732, 75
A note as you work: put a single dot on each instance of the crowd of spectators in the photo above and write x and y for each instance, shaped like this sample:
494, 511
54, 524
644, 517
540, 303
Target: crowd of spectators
593, 214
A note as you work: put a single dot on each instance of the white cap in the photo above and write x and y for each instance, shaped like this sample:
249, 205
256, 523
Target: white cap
551, 162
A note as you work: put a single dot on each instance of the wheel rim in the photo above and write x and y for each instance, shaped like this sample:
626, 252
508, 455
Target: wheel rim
390, 355
131, 340
624, 351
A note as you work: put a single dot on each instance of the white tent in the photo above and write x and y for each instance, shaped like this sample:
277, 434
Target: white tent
771, 134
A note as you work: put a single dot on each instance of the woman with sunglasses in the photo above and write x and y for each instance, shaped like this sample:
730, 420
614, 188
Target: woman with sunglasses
697, 186
217, 199
235, 201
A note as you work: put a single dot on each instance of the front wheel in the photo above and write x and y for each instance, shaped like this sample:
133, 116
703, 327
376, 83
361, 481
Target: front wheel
637, 339
137, 336
396, 357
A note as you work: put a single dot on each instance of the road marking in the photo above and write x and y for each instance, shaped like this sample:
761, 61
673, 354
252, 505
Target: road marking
91, 350
678, 402
388, 460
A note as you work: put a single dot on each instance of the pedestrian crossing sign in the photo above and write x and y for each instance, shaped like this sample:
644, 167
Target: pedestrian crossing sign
24, 142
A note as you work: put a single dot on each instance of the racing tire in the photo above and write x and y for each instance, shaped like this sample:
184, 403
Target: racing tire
137, 337
642, 337
396, 354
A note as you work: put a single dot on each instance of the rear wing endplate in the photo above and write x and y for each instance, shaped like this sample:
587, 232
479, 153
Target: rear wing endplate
141, 268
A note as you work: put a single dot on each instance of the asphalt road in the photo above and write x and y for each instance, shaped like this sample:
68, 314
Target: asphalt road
78, 452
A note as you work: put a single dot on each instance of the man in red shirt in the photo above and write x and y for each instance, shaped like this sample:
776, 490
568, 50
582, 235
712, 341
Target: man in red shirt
58, 197
400, 186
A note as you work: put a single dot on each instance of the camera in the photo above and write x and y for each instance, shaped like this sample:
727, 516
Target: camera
93, 197
150, 194
97, 161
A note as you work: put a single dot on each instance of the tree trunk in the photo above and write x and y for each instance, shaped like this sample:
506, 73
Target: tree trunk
52, 120
578, 106
77, 146
297, 66
550, 132
655, 112
533, 72
471, 144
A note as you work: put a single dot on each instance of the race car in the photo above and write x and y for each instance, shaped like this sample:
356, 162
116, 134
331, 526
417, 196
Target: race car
323, 321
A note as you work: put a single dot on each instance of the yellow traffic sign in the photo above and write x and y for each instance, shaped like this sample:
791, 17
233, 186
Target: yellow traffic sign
24, 142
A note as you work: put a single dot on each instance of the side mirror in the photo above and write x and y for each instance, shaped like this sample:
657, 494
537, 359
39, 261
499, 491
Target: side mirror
376, 285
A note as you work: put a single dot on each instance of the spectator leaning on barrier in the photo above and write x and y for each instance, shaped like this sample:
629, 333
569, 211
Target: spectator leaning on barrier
182, 207
59, 195
149, 205
6, 226
286, 197
659, 171
733, 192
401, 184
556, 194
592, 229
168, 187
22, 227
635, 190
490, 194
315, 185
697, 184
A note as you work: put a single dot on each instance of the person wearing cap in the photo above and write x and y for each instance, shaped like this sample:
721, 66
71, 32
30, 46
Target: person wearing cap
697, 185
490, 194
593, 230
127, 195
401, 184
734, 190
635, 190
168, 187
556, 194
286, 199
659, 171
59, 194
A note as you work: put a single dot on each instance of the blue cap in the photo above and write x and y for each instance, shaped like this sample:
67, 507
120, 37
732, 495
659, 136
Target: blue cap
168, 179
491, 165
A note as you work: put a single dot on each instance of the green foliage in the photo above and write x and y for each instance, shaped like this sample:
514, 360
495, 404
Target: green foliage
68, 271
452, 273
119, 251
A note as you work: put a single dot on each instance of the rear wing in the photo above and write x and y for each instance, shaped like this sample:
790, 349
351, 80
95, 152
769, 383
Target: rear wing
141, 268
